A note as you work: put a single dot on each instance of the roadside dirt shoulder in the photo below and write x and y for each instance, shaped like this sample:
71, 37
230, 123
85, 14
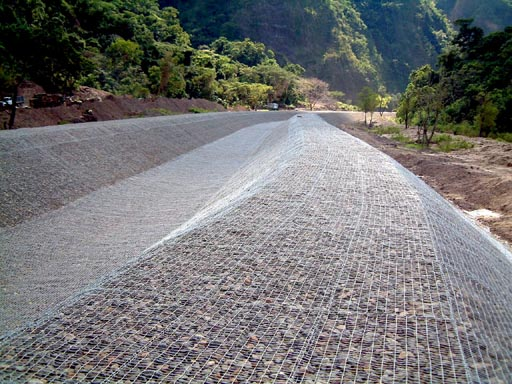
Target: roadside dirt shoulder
474, 179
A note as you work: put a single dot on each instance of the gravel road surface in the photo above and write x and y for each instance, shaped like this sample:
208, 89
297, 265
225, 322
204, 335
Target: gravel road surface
316, 259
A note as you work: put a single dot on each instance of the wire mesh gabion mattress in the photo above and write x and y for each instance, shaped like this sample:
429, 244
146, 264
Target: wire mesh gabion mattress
322, 261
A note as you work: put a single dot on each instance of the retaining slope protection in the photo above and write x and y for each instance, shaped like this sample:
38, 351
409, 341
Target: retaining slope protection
50, 258
334, 265
46, 168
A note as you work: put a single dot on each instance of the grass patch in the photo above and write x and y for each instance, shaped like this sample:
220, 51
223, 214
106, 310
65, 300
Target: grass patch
447, 143
442, 142
341, 106
400, 137
198, 110
414, 145
441, 138
388, 130
160, 112
135, 115
507, 137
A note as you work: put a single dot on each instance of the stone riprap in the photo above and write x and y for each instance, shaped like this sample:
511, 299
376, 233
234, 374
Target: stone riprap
100, 232
46, 168
320, 260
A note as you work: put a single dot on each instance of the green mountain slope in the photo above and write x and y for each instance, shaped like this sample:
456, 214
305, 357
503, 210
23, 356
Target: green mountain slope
347, 43
490, 15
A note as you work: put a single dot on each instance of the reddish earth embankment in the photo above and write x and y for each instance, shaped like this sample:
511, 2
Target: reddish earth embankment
94, 105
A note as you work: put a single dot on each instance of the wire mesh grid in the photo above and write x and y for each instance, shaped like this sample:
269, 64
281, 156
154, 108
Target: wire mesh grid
112, 225
341, 267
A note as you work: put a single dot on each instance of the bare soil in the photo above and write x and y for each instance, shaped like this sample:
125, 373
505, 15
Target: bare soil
473, 179
90, 104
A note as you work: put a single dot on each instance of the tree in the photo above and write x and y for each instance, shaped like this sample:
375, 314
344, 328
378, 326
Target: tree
39, 41
124, 53
476, 65
383, 100
257, 94
281, 81
337, 95
134, 83
169, 78
166, 27
368, 101
295, 68
427, 110
201, 83
246, 52
313, 90
426, 93
124, 59
469, 38
405, 107
486, 117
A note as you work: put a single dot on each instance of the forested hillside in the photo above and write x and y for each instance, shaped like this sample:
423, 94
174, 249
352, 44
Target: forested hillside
240, 52
132, 47
346, 43
470, 93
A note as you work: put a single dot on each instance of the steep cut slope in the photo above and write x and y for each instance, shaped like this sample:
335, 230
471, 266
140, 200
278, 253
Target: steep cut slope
347, 43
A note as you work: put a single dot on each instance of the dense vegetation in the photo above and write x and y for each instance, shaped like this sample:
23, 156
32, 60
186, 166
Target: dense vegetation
346, 43
470, 93
250, 52
133, 47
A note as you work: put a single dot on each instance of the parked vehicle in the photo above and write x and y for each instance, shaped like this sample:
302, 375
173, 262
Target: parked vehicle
273, 106
6, 101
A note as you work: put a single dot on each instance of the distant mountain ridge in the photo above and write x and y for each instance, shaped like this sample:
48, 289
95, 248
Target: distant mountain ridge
348, 43
490, 15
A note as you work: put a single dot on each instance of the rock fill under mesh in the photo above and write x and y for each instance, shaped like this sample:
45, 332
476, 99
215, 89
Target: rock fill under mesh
330, 263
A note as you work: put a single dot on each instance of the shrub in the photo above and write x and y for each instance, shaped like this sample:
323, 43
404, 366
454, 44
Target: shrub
505, 136
441, 138
414, 146
159, 112
400, 137
463, 129
341, 106
451, 144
